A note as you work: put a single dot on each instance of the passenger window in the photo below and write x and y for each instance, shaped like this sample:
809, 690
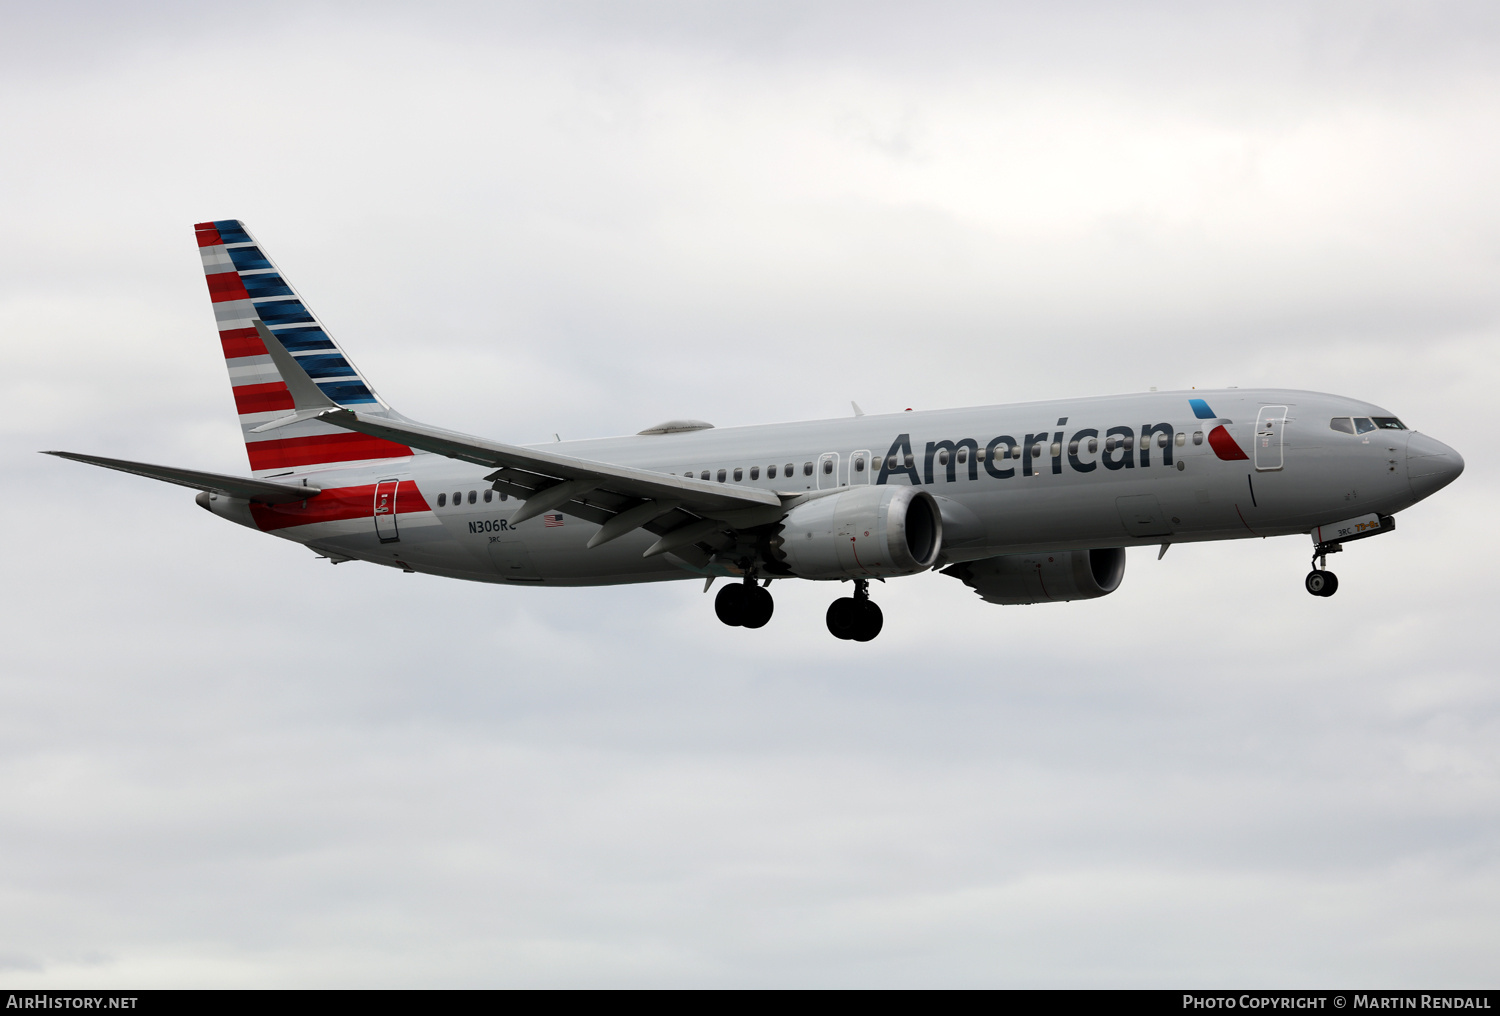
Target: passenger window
1161, 440
473, 496
963, 455
458, 498
688, 474
942, 457
859, 463
504, 496
1389, 423
1145, 441
703, 475
1109, 444
1056, 448
1342, 424
1093, 445
739, 474
910, 462
1072, 447
771, 471
1197, 437
1181, 440
1363, 425
827, 465
489, 495
807, 469
721, 476
442, 500
755, 472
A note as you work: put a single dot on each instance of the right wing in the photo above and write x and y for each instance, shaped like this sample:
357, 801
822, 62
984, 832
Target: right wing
264, 491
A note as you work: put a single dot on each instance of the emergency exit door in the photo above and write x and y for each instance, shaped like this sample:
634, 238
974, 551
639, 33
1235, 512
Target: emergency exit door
862, 467
828, 470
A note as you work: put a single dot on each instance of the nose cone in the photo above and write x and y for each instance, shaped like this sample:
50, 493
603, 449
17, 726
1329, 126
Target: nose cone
1430, 465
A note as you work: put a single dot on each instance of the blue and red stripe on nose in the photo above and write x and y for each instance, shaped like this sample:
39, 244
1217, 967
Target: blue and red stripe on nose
1219, 439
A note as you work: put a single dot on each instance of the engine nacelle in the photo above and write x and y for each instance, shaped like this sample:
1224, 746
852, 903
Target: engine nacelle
861, 532
1044, 578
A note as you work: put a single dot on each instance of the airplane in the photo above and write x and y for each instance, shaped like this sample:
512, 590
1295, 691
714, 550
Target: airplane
1023, 503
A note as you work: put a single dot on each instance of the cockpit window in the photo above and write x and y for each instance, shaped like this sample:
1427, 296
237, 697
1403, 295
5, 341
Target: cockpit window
1389, 423
1363, 425
1342, 424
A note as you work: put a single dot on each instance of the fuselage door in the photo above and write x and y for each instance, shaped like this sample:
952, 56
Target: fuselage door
828, 470
861, 467
1268, 429
385, 510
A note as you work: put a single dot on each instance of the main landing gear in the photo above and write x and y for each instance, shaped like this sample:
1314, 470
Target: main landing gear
747, 605
855, 617
1319, 581
744, 605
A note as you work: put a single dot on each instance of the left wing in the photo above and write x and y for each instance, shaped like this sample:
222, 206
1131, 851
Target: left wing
681, 510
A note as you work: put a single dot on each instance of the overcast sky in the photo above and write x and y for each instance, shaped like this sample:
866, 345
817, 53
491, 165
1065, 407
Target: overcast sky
224, 762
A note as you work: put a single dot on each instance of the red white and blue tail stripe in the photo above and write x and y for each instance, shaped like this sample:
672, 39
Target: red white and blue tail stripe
246, 286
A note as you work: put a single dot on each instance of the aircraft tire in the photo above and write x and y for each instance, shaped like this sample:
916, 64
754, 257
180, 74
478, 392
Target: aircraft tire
841, 617
759, 605
869, 619
730, 605
1321, 583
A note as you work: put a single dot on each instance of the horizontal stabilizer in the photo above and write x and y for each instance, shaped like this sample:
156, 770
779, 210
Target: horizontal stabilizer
264, 491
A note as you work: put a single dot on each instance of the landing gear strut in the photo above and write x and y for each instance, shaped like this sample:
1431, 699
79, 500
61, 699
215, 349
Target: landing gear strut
855, 617
1320, 582
744, 605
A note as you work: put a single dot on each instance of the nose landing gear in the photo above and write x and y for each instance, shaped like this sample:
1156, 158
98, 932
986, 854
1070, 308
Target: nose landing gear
855, 617
744, 605
1319, 581
1330, 539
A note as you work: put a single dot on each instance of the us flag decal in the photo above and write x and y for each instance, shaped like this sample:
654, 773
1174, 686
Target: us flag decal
552, 519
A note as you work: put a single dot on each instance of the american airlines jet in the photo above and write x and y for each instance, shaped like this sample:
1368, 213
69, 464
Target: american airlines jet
1026, 503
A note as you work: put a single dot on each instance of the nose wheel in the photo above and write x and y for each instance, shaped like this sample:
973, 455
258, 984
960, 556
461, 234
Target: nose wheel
745, 605
855, 618
1320, 581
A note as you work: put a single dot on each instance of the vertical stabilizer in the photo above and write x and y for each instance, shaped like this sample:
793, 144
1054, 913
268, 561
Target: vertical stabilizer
246, 287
